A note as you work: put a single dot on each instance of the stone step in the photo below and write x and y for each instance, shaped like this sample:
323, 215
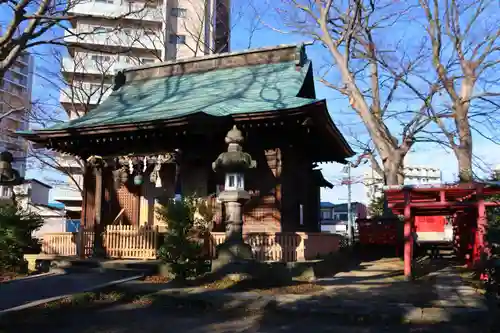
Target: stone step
77, 265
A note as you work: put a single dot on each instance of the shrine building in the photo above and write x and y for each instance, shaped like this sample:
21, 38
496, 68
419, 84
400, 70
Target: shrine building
164, 124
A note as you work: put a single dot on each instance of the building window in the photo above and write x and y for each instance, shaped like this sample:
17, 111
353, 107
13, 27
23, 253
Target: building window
146, 61
128, 31
100, 58
129, 60
99, 30
95, 88
150, 33
326, 215
152, 3
179, 12
177, 39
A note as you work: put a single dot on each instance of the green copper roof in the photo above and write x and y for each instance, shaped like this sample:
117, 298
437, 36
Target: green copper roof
221, 92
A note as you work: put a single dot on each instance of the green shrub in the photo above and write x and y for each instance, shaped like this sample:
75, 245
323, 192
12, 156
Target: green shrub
16, 228
376, 206
182, 248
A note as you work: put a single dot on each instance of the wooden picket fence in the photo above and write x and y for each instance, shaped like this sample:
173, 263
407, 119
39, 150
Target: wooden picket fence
132, 242
126, 241
119, 241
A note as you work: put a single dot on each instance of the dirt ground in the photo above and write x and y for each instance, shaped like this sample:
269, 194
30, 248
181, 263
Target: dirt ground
379, 280
133, 318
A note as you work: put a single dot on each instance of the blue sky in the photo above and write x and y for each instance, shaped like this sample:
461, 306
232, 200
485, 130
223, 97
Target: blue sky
338, 106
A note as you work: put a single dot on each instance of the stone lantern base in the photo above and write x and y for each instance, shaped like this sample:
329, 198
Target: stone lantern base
233, 256
234, 253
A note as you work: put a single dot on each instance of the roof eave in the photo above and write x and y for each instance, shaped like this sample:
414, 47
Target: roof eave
334, 131
44, 135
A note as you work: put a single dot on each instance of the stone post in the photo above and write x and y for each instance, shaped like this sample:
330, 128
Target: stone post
9, 177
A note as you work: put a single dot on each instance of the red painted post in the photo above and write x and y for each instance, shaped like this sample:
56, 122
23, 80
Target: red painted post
408, 237
480, 246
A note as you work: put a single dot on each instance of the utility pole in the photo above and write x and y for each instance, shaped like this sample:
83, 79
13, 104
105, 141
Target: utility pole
347, 169
349, 213
348, 182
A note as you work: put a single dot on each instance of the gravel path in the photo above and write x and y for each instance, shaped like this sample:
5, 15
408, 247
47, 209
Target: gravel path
24, 291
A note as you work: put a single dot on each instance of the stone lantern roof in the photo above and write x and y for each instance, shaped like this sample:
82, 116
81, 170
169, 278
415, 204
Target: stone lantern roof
235, 159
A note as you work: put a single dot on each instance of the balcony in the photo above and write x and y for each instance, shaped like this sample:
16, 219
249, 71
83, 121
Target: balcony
67, 194
86, 94
135, 10
89, 66
71, 198
70, 162
12, 141
133, 38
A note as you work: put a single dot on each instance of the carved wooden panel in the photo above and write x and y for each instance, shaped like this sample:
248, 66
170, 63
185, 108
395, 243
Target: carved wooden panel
129, 201
263, 212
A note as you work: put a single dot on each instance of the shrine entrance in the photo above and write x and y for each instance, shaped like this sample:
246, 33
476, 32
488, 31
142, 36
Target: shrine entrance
464, 203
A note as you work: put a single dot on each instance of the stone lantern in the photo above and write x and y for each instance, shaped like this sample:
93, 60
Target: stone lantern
9, 177
233, 164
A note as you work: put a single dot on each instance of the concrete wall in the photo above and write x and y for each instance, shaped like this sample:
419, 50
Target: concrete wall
52, 224
39, 193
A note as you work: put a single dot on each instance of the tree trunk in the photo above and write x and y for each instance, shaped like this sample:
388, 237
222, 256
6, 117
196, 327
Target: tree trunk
464, 158
463, 151
392, 174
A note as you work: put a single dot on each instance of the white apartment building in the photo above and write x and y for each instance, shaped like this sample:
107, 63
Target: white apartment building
15, 103
414, 175
148, 31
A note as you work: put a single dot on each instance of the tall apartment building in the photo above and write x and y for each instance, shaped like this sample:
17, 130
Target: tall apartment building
15, 103
414, 175
150, 31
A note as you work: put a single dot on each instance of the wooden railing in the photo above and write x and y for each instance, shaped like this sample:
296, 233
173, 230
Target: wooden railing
285, 246
119, 241
132, 242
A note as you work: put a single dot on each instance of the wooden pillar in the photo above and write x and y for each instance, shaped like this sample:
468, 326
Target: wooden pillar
83, 216
98, 195
408, 237
87, 173
480, 244
98, 165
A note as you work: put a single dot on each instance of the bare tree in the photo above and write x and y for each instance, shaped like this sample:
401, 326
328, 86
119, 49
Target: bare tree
464, 38
77, 97
38, 22
368, 69
381, 53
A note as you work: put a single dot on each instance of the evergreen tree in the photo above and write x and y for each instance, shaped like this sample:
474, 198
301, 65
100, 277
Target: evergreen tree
16, 229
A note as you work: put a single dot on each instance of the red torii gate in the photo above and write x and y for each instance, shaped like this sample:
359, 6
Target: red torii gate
467, 200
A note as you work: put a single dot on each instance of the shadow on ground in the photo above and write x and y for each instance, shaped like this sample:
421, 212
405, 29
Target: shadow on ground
127, 311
